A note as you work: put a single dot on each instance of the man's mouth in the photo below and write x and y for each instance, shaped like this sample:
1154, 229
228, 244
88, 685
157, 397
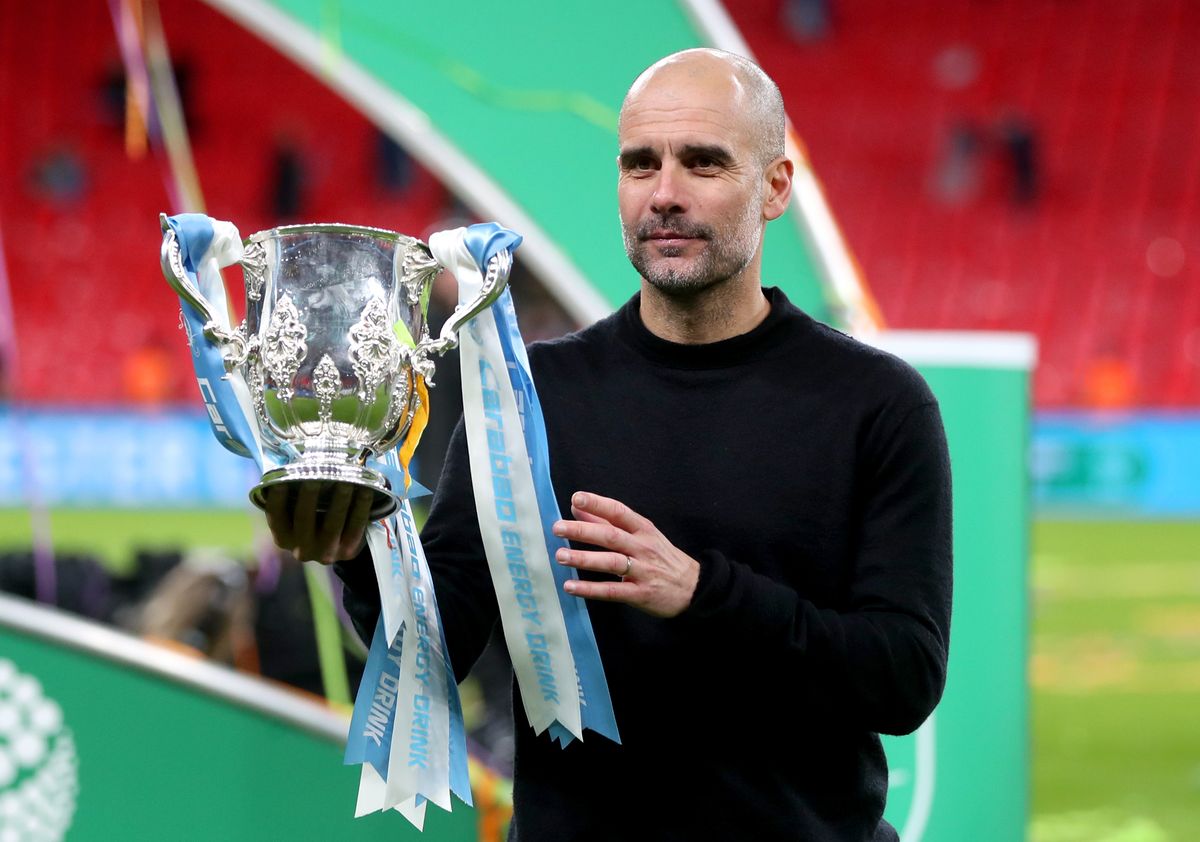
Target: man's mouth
671, 237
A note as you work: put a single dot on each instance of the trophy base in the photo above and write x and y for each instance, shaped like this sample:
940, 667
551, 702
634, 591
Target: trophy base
383, 502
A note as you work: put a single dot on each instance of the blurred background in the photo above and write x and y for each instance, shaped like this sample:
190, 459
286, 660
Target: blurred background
995, 167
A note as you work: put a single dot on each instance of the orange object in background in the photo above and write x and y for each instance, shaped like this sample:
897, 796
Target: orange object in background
148, 376
1108, 383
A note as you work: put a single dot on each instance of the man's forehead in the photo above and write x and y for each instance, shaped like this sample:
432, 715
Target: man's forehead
676, 111
683, 125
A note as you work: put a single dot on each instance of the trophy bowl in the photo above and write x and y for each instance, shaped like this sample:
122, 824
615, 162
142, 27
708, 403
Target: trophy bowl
334, 339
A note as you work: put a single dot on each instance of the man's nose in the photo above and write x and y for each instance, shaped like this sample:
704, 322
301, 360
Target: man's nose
669, 196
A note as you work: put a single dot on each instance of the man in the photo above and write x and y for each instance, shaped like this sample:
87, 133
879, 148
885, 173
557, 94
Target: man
760, 513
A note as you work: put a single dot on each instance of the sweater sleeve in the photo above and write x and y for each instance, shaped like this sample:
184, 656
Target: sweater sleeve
879, 661
360, 596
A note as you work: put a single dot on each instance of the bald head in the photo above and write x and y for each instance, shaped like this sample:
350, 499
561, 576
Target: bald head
756, 95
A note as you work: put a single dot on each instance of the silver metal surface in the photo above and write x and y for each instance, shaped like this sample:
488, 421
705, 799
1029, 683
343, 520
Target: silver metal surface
254, 270
324, 349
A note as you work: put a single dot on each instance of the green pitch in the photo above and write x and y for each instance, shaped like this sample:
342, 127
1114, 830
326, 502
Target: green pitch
1116, 681
113, 535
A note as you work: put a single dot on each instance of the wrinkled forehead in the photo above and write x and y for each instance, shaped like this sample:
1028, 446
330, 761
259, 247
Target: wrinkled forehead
677, 105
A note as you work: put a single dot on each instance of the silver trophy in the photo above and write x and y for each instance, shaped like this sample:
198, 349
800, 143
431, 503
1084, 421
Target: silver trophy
333, 340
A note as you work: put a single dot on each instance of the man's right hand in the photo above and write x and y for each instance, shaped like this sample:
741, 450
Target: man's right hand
319, 521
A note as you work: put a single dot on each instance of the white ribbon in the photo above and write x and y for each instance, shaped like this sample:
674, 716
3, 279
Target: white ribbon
419, 754
509, 519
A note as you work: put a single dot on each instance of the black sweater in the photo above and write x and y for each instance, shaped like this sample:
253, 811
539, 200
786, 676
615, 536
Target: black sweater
808, 474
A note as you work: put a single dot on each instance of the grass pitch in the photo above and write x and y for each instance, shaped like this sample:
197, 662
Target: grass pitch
1116, 681
114, 535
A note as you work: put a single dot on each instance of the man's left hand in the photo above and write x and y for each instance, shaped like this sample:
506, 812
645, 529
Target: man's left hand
655, 575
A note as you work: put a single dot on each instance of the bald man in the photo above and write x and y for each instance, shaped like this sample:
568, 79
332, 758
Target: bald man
759, 513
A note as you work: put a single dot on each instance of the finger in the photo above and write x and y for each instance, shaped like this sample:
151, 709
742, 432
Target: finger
613, 511
277, 516
355, 532
580, 514
621, 591
334, 521
616, 564
600, 534
305, 520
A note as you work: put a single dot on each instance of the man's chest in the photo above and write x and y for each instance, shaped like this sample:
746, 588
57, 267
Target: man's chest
766, 478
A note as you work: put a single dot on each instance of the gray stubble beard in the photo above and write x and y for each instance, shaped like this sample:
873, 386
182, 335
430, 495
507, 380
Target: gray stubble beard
717, 263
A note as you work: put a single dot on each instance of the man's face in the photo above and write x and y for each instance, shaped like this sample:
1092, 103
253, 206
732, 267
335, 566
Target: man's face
691, 187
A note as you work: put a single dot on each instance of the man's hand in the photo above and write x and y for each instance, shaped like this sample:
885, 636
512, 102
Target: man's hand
656, 576
319, 521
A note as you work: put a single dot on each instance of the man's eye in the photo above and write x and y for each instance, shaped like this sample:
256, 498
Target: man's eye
640, 166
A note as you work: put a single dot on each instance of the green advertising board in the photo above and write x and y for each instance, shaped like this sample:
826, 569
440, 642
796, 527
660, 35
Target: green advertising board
106, 737
965, 773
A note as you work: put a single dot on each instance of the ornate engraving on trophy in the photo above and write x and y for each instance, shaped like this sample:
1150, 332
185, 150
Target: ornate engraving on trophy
327, 382
418, 270
422, 364
284, 347
402, 399
374, 350
254, 270
254, 377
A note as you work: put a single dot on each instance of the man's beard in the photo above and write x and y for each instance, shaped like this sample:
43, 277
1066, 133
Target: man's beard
719, 260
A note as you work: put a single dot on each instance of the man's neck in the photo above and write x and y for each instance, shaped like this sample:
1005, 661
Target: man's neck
720, 312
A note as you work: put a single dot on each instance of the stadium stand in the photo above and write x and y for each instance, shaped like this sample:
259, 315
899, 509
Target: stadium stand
96, 296
909, 111
1003, 165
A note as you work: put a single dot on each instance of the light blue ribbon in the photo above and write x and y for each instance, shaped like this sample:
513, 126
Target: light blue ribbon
371, 725
194, 234
483, 242
460, 783
369, 718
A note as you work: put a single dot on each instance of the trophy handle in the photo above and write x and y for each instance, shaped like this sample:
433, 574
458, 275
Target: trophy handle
495, 280
232, 343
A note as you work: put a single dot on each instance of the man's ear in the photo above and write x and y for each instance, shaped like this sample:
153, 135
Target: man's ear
778, 178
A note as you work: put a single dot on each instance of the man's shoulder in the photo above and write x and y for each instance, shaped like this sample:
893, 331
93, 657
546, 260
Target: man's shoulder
574, 346
870, 371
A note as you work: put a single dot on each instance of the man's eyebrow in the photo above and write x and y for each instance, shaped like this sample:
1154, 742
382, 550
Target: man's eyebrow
719, 154
628, 157
722, 156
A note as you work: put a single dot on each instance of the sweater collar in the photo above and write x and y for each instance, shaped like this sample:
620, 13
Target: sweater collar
727, 352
